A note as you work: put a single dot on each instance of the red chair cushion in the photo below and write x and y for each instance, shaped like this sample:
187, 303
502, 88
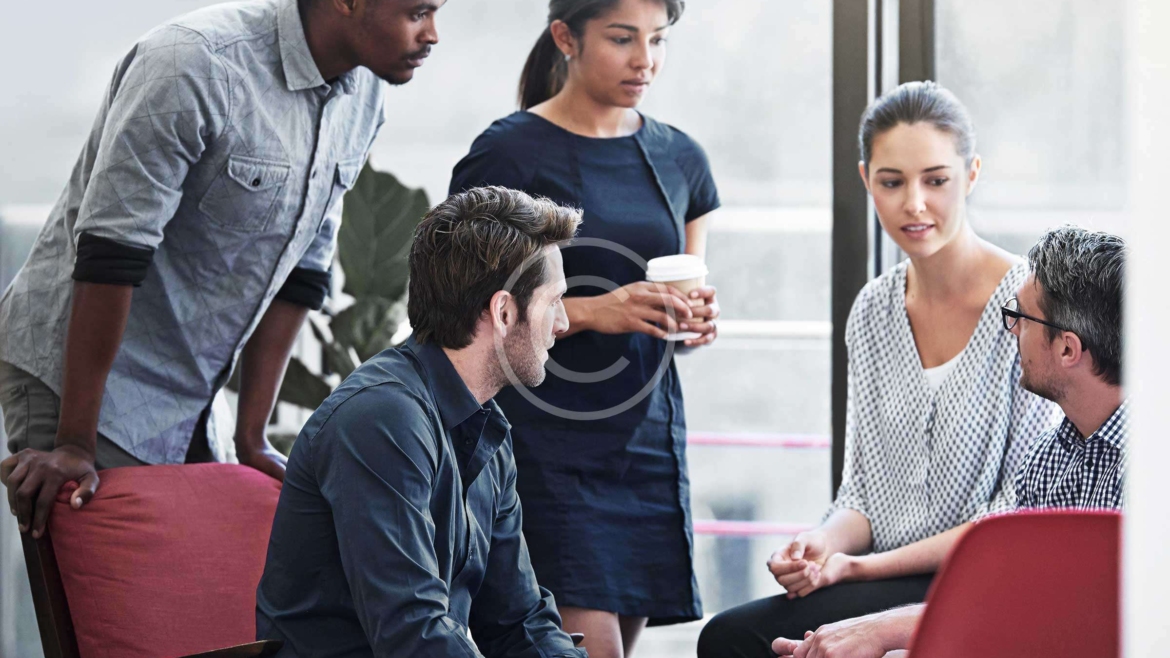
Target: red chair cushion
164, 560
1028, 585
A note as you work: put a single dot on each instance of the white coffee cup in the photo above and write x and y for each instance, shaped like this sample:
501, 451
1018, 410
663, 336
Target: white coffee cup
683, 272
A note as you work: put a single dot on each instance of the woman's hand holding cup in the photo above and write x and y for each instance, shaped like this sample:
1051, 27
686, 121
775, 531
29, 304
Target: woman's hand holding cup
687, 274
705, 308
645, 307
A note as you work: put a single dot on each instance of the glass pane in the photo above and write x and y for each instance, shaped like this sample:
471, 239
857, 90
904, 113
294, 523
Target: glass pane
766, 126
1045, 83
782, 487
750, 80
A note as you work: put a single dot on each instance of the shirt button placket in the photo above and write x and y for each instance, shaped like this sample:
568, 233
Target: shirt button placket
311, 196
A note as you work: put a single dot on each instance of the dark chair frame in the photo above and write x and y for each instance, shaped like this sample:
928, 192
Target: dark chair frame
56, 624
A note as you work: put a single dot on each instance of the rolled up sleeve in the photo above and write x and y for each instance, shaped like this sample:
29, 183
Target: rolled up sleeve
168, 101
852, 492
305, 287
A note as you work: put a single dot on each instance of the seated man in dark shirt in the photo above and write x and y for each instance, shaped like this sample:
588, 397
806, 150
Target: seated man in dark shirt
1067, 321
398, 527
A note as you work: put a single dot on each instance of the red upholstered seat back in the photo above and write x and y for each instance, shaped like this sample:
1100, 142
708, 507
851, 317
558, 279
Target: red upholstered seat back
1028, 585
164, 561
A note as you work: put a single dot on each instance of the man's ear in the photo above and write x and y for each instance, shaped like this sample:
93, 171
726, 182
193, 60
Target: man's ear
344, 7
502, 311
1072, 351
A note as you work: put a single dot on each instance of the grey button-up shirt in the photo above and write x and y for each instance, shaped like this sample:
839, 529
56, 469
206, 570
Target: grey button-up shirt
220, 146
399, 528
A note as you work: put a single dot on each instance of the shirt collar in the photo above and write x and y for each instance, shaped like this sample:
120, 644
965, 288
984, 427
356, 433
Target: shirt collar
455, 401
1114, 431
300, 70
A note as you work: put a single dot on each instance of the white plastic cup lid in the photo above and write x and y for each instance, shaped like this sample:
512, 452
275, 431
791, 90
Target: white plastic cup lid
675, 268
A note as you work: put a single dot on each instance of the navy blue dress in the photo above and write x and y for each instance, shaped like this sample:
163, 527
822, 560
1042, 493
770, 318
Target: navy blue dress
601, 457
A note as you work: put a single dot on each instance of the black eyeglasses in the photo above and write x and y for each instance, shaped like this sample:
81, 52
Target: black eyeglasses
1011, 315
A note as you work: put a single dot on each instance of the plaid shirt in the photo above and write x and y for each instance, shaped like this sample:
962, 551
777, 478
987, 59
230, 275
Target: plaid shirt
1065, 469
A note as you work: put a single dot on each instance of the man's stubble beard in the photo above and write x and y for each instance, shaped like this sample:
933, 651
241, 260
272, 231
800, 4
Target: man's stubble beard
525, 366
1047, 389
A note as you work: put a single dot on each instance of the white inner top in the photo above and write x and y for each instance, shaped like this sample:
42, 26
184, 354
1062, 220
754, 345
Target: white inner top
937, 375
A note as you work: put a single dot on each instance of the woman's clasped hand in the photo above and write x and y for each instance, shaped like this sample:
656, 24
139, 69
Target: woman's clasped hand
655, 309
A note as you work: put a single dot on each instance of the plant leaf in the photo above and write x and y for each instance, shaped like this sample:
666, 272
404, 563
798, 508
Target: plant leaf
368, 325
379, 217
338, 359
301, 387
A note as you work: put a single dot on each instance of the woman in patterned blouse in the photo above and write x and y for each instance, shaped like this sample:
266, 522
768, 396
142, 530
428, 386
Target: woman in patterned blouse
936, 417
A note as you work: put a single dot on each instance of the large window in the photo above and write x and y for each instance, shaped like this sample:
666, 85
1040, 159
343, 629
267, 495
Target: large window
753, 84
1045, 85
753, 81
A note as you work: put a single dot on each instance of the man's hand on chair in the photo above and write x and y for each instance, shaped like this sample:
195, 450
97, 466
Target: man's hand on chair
33, 479
258, 453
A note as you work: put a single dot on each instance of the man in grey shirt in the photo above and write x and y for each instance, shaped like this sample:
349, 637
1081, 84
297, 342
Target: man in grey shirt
197, 229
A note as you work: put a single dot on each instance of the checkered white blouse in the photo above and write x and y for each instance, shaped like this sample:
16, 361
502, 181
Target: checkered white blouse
919, 462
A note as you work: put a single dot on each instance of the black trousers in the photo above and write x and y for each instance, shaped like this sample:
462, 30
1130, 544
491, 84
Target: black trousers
747, 631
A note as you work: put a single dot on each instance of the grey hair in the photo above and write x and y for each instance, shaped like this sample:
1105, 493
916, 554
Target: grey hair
1080, 274
918, 102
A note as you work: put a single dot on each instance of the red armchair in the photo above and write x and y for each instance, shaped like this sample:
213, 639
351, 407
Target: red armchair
163, 561
1027, 585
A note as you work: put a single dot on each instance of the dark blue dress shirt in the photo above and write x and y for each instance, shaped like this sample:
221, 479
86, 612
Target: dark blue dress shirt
398, 527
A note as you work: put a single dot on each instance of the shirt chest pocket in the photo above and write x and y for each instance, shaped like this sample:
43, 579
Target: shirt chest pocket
243, 196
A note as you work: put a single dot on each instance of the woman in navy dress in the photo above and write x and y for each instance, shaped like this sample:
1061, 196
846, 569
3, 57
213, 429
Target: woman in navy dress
601, 445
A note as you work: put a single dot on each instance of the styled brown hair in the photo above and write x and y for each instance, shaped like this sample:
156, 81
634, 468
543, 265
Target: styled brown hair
467, 248
544, 72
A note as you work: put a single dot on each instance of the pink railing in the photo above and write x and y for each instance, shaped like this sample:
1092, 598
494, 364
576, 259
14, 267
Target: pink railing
759, 440
748, 528
754, 440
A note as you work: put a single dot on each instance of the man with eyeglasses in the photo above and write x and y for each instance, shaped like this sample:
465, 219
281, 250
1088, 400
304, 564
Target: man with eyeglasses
1067, 320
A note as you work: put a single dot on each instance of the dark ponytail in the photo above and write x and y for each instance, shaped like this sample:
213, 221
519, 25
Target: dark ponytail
545, 71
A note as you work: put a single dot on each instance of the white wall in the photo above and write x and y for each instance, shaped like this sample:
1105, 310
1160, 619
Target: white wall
1147, 532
